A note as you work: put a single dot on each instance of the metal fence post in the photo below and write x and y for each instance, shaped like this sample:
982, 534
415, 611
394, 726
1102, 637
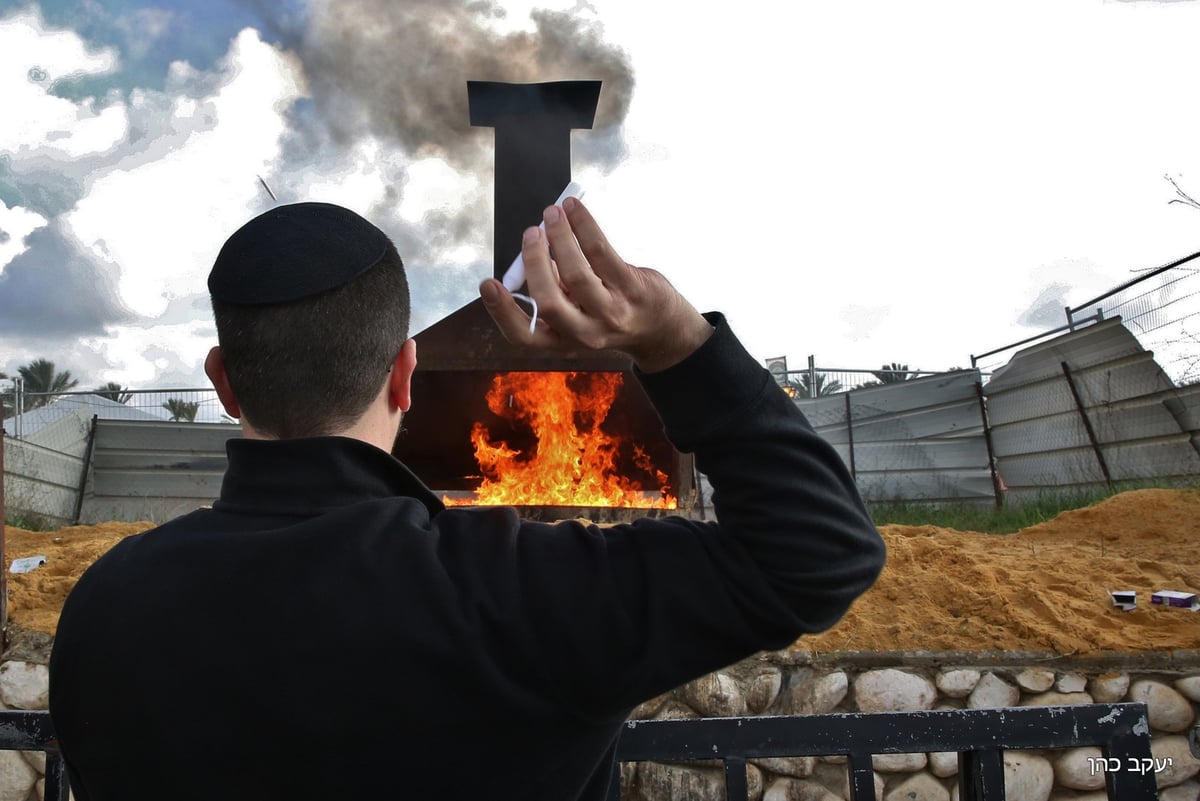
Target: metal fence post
997, 490
1087, 424
18, 407
850, 437
812, 377
3, 545
83, 474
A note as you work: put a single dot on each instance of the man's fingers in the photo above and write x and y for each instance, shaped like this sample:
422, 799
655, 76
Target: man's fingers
574, 271
604, 260
540, 271
511, 319
546, 283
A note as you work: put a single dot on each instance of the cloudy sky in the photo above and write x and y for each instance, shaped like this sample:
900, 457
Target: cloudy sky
867, 182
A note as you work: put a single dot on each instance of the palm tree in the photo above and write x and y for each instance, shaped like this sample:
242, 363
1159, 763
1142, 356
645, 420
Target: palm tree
822, 385
182, 411
114, 392
893, 373
42, 381
7, 402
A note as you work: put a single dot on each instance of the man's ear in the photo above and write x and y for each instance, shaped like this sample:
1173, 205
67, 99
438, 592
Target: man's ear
214, 368
400, 379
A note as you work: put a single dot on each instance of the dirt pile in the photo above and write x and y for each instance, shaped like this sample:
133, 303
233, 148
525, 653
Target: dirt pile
35, 598
1041, 589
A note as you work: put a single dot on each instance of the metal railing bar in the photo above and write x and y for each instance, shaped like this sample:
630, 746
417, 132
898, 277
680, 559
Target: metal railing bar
1132, 282
736, 786
861, 775
981, 775
880, 732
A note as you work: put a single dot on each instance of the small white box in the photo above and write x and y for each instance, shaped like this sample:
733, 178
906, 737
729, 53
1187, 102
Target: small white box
1125, 599
27, 563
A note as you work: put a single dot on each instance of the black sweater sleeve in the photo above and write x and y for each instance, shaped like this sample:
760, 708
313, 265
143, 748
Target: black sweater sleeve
778, 488
598, 619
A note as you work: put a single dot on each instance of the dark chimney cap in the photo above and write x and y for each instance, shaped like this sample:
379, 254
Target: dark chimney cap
573, 101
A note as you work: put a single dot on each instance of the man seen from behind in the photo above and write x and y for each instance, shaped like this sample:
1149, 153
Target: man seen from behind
327, 630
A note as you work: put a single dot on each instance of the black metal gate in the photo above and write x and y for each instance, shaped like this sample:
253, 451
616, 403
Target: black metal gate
980, 736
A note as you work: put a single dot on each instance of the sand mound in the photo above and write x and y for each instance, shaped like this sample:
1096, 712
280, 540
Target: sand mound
35, 598
1041, 589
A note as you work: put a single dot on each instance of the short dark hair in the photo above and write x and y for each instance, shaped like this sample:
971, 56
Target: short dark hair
311, 367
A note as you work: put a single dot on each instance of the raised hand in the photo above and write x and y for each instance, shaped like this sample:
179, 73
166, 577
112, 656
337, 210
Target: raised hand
589, 296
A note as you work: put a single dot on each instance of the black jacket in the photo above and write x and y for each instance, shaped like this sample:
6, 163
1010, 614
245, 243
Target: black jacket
328, 630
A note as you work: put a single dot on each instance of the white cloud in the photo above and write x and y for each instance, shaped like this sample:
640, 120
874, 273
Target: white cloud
135, 355
932, 156
800, 166
161, 222
16, 224
432, 183
358, 182
32, 59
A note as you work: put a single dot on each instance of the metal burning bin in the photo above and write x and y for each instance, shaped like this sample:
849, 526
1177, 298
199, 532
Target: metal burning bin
459, 355
450, 389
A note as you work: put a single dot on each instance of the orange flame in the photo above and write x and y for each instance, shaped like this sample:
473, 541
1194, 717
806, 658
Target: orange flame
574, 462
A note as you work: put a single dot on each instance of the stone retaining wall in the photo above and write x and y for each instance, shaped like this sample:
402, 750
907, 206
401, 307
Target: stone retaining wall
798, 683
24, 684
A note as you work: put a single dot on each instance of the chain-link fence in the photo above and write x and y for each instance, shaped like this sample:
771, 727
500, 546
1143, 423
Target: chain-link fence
1162, 309
41, 416
1109, 400
817, 382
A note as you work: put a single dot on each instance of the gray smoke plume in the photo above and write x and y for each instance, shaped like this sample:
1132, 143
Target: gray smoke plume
399, 71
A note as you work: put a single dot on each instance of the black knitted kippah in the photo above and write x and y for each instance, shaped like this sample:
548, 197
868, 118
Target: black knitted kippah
292, 252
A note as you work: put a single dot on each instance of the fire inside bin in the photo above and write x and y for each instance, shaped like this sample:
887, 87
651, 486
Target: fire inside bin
556, 434
555, 449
